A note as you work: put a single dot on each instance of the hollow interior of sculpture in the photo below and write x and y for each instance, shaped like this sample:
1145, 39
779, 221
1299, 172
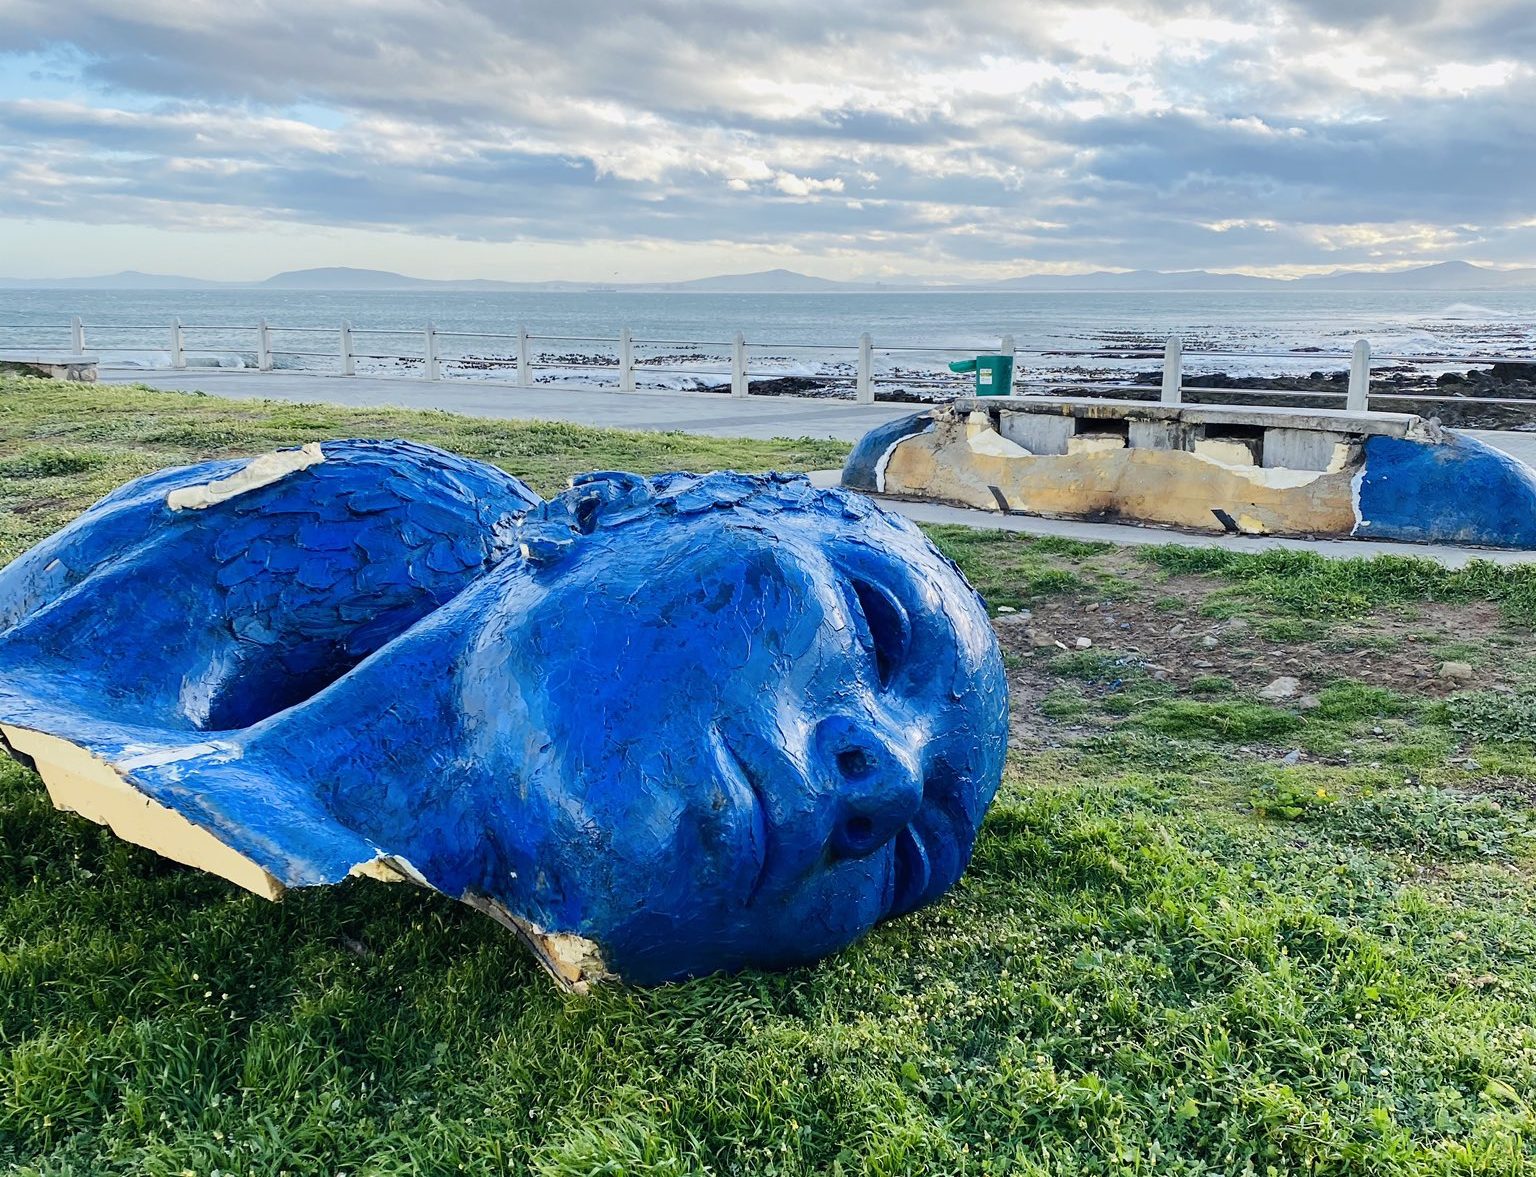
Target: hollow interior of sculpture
1200, 467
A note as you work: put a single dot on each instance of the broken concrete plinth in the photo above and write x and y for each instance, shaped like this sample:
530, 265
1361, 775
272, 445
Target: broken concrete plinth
80, 368
1206, 468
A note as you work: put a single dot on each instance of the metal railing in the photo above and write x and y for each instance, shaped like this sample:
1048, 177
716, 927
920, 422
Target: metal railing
1356, 396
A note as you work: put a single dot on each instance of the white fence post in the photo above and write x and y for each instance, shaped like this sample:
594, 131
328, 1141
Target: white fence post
1173, 371
76, 335
1359, 378
626, 360
1005, 348
178, 353
524, 361
434, 368
263, 346
348, 364
739, 365
864, 388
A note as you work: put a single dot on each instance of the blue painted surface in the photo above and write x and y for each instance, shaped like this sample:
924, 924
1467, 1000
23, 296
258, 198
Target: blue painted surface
706, 722
861, 470
1457, 492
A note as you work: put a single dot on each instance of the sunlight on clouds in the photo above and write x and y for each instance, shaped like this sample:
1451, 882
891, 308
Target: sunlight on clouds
1129, 133
1384, 240
1461, 77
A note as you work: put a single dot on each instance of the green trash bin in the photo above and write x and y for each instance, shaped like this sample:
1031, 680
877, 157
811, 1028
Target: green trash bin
994, 374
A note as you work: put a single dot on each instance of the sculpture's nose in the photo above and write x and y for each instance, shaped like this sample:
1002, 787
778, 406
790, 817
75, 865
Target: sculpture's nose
878, 784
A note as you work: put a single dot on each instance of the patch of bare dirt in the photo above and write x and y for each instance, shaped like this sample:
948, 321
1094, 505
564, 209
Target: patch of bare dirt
1180, 645
39, 505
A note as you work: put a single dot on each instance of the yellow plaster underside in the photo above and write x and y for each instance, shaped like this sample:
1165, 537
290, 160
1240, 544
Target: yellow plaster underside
80, 783
1172, 487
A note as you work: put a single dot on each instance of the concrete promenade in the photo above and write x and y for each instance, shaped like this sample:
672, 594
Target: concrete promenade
755, 417
687, 412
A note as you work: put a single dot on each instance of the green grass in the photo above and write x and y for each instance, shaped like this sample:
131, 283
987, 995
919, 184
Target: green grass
1310, 586
1010, 569
1170, 954
62, 446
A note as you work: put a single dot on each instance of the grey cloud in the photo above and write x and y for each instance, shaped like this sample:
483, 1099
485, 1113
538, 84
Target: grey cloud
823, 128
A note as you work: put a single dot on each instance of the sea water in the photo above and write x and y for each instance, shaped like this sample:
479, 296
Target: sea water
813, 335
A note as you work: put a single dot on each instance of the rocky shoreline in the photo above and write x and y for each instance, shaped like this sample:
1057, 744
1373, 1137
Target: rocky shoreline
1470, 409
1476, 394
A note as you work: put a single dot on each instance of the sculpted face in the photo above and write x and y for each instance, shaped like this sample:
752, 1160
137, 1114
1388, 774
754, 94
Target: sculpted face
685, 724
770, 717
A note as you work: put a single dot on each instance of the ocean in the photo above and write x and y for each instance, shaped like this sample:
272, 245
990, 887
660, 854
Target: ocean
809, 335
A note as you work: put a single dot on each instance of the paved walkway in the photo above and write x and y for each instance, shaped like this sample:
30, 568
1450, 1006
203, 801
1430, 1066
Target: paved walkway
691, 412
756, 417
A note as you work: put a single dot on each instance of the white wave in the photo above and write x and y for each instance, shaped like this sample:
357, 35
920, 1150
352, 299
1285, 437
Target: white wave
155, 361
1467, 311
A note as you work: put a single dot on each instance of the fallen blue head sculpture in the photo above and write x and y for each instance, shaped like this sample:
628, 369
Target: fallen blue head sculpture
660, 727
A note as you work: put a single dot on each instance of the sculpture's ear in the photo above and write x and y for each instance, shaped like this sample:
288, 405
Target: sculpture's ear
548, 534
604, 498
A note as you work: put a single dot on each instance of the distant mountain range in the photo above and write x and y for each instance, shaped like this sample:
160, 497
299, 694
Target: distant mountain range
1441, 276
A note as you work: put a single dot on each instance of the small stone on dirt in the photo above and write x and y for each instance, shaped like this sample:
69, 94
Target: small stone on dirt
1283, 687
1084, 643
1457, 670
1309, 702
1210, 641
1006, 609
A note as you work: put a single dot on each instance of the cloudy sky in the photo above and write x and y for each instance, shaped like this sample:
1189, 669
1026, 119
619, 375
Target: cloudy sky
662, 139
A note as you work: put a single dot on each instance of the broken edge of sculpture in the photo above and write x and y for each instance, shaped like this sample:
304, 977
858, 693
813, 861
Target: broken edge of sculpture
655, 727
79, 782
1255, 471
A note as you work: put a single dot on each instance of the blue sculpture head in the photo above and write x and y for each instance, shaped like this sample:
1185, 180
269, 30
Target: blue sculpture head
686, 723
725, 721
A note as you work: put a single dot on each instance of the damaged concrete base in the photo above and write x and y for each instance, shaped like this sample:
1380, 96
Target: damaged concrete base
1319, 473
962, 460
575, 962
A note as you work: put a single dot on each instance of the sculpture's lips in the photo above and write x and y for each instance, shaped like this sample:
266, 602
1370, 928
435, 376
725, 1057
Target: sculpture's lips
912, 869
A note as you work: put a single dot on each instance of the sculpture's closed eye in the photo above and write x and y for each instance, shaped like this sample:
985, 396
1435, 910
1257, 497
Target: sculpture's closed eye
886, 630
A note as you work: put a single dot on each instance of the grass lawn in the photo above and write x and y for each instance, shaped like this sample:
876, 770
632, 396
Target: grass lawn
1204, 931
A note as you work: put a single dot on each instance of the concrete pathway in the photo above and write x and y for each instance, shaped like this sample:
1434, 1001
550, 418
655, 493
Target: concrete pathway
690, 412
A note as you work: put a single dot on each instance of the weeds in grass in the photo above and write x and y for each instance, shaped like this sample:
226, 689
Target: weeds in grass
1289, 796
1006, 568
1232, 720
49, 462
1211, 684
1427, 820
1310, 585
1493, 716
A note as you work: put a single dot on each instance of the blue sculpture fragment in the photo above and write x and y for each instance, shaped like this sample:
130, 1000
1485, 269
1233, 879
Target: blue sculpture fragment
660, 727
1461, 491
